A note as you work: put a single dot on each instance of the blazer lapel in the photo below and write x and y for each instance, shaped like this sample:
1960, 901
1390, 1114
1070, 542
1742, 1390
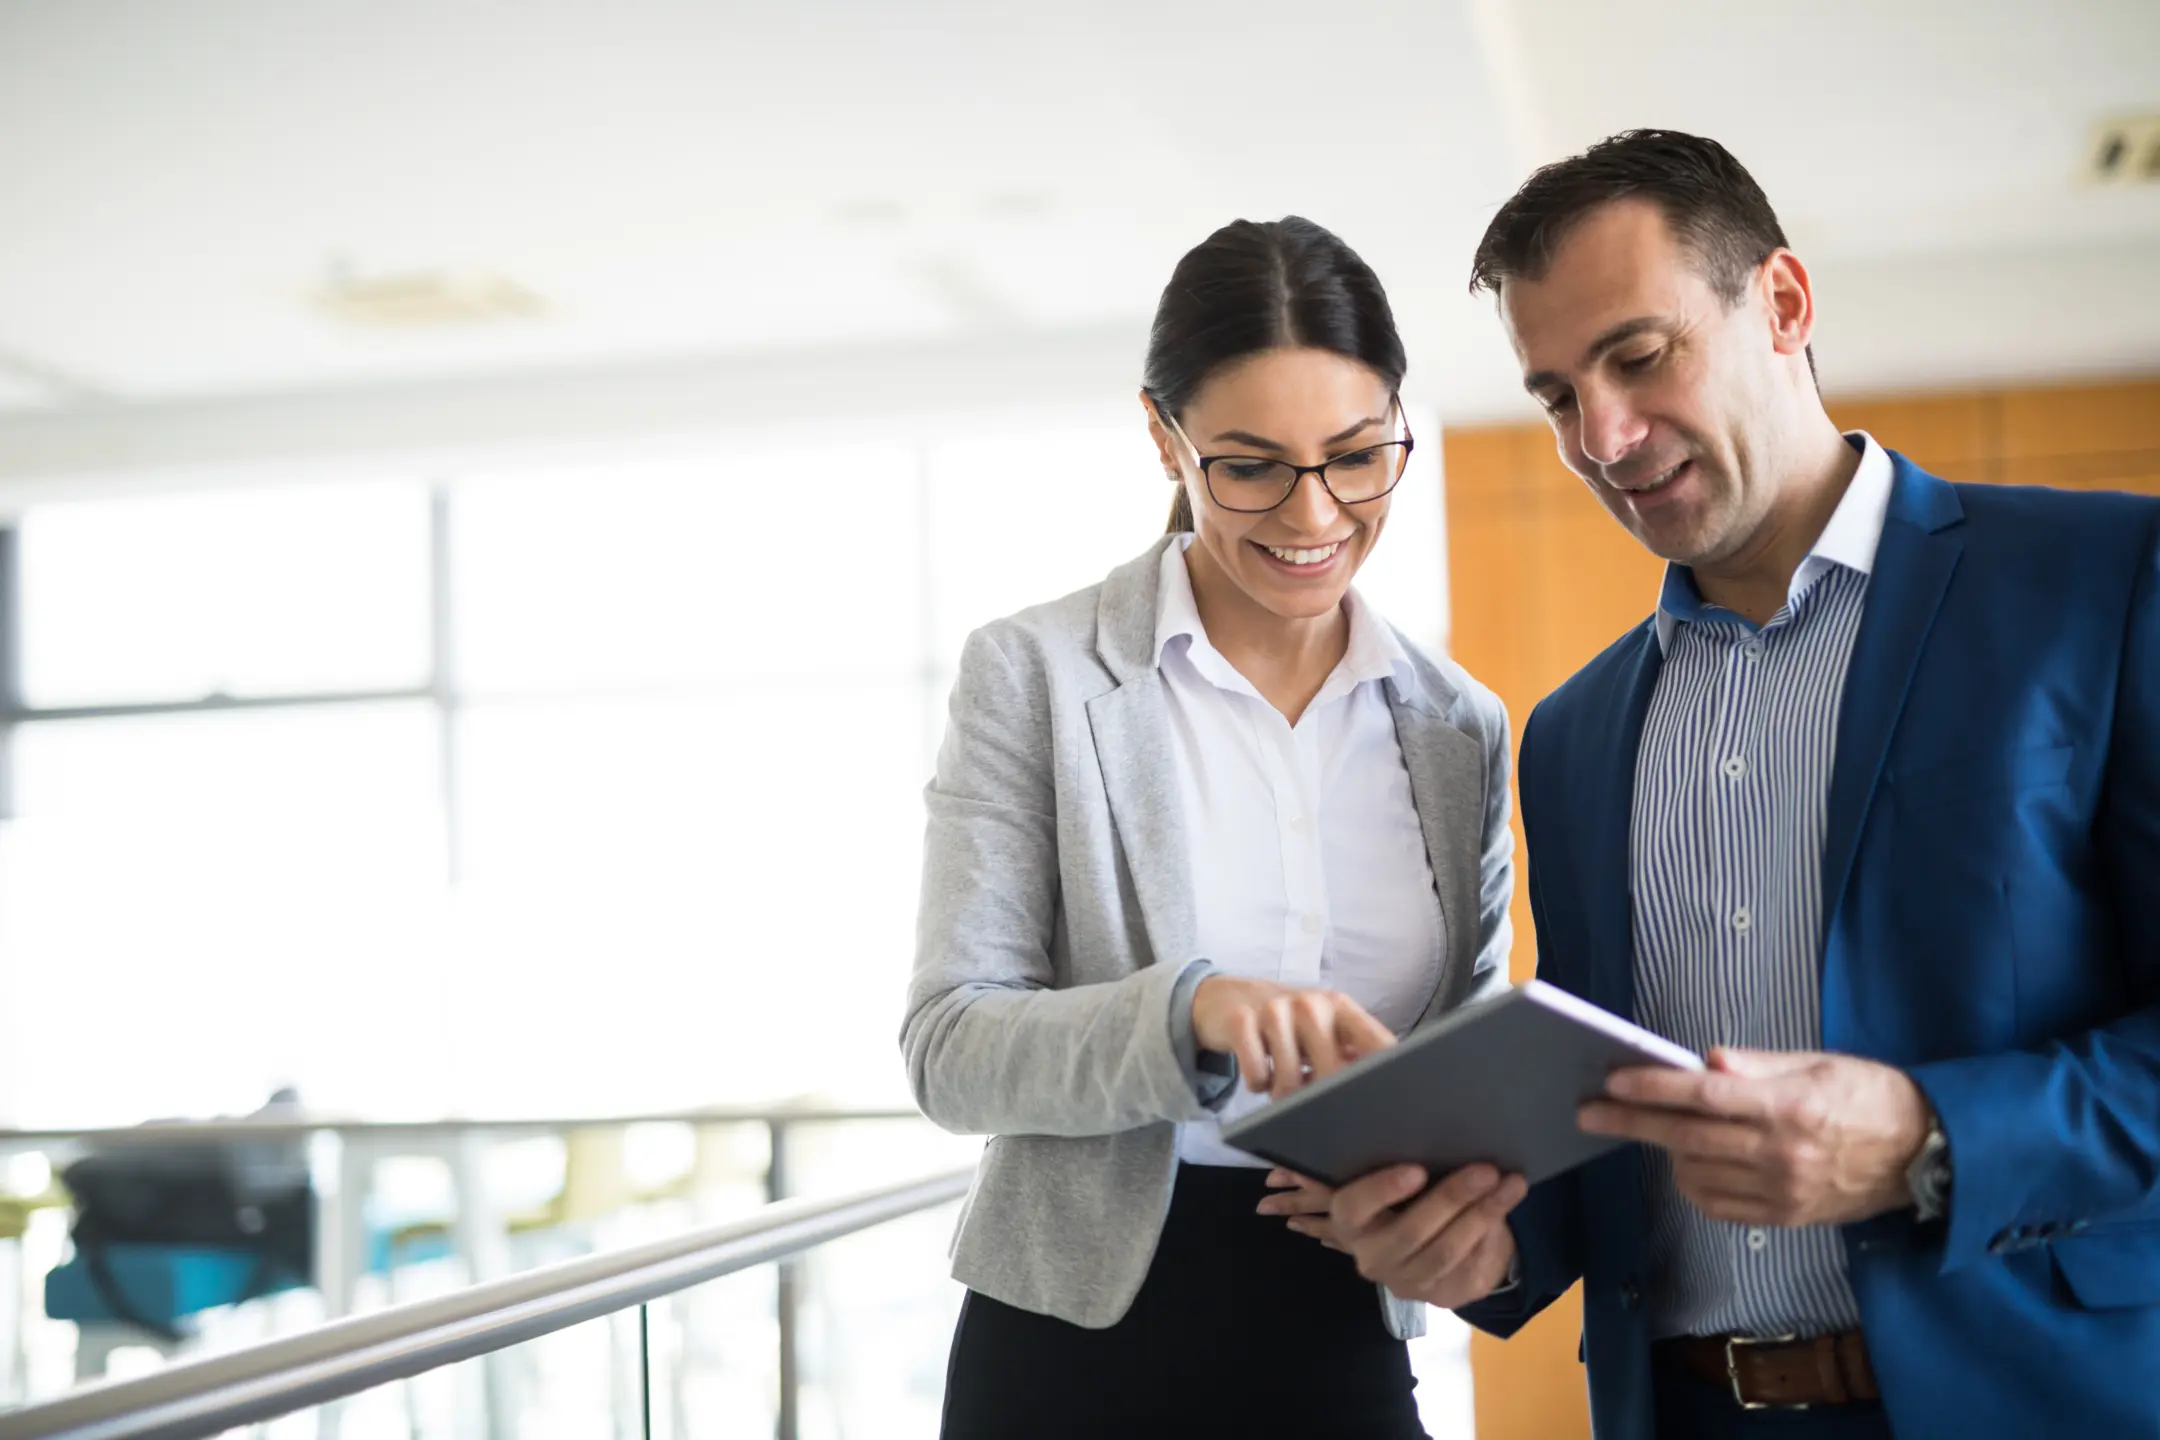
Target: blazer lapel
1131, 730
1913, 564
1447, 783
1132, 744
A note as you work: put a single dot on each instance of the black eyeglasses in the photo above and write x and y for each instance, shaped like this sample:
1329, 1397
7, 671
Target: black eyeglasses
1253, 484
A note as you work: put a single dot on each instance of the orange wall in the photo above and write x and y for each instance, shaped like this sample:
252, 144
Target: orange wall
1543, 579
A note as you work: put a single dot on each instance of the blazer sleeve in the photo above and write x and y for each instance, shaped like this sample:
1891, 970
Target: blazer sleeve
2051, 1139
1496, 863
1547, 1225
992, 1046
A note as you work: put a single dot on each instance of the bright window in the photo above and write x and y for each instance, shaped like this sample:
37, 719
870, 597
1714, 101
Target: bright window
645, 833
307, 589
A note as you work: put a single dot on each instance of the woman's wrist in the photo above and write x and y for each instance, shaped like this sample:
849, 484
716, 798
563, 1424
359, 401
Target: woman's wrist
1212, 1074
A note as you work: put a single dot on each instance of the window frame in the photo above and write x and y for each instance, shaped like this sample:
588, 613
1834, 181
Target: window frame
440, 688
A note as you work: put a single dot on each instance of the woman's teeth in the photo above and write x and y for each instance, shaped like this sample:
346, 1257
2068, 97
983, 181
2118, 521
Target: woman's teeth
1302, 557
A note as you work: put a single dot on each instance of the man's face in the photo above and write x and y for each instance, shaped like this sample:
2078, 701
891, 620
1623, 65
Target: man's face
1656, 387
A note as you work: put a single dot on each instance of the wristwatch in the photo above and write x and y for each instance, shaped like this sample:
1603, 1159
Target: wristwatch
1928, 1177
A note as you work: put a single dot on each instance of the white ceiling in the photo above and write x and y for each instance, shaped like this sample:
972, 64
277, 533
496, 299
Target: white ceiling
693, 183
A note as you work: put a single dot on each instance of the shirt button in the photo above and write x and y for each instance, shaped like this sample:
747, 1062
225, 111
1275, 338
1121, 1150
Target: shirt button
1735, 768
1741, 919
1300, 825
1753, 650
1312, 924
1758, 1239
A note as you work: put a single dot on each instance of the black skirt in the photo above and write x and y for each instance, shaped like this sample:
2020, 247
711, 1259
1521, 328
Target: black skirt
1241, 1326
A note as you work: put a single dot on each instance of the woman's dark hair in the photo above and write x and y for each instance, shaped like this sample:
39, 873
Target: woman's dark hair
1255, 286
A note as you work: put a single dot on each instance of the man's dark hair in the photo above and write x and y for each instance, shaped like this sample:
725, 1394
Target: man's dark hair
1713, 206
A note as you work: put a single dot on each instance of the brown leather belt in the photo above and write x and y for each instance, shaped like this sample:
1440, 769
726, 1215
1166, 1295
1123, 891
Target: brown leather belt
1781, 1371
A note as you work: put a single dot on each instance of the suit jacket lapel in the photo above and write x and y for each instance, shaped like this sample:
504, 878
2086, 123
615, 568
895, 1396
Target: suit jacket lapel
1607, 791
1913, 564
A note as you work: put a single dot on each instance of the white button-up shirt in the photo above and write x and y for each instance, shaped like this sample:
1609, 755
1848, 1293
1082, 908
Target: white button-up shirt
1309, 866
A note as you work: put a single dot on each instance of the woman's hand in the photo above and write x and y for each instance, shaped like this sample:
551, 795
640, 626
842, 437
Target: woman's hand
1282, 1037
1446, 1243
1305, 1201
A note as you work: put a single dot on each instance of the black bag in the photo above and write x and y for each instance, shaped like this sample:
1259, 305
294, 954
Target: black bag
252, 1197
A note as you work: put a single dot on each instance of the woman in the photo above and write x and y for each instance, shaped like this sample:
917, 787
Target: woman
1211, 818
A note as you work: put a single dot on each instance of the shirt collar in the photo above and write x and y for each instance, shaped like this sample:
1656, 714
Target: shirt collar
1374, 652
1850, 539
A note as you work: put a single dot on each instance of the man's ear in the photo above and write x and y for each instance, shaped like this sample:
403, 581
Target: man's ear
1789, 297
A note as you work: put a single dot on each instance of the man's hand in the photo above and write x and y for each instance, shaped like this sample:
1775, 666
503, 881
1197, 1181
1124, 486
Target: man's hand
1764, 1138
1449, 1246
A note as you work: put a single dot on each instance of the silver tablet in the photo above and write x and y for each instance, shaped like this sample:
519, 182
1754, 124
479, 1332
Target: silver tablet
1498, 1081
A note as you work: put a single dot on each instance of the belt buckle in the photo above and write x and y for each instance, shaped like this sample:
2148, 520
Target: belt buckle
1732, 1369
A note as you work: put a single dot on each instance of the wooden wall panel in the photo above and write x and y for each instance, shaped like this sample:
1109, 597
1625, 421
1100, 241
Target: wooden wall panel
2090, 437
2081, 420
2078, 437
1511, 530
1956, 436
1543, 579
1599, 583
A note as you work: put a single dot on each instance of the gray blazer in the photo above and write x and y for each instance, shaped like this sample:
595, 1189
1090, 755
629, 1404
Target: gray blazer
1057, 921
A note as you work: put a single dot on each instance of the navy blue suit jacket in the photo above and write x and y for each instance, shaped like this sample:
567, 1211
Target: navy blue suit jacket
1991, 914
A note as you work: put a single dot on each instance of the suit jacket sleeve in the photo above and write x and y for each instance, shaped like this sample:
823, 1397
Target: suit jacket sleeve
2045, 1139
991, 1046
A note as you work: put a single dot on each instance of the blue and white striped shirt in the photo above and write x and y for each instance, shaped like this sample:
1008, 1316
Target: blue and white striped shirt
1732, 788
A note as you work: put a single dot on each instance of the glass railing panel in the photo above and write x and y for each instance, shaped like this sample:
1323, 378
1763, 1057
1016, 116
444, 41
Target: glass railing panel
712, 1358
546, 1193
847, 1338
585, 1382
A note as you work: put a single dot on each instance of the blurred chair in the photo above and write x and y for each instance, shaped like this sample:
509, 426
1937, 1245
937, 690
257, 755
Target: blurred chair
162, 1290
595, 1185
172, 1286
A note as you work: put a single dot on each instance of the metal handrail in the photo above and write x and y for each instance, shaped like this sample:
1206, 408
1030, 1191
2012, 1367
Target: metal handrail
303, 1124
208, 1396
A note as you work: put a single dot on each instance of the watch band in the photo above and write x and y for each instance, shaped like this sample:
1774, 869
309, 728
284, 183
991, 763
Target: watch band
1928, 1177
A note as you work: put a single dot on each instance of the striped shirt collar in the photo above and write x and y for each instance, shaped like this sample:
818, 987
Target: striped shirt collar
1374, 652
1850, 540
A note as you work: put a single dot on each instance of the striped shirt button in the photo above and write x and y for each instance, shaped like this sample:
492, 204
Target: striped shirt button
1758, 1239
1753, 650
1741, 919
1735, 767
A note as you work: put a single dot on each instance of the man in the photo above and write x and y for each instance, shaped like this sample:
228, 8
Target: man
1868, 812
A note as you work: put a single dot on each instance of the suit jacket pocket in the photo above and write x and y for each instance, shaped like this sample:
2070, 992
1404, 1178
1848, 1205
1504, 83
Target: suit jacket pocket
2115, 1268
